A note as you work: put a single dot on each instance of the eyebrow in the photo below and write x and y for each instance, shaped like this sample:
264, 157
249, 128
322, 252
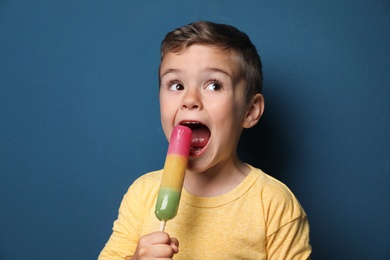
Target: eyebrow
169, 71
219, 70
206, 70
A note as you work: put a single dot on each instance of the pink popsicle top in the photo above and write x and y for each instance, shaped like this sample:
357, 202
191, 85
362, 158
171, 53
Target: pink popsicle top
180, 141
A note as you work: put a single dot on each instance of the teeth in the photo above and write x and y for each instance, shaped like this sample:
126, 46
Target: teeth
191, 123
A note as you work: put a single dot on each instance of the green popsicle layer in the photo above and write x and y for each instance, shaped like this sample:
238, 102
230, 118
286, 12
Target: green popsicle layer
167, 203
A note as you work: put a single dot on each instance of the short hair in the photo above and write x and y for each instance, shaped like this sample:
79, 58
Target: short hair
225, 37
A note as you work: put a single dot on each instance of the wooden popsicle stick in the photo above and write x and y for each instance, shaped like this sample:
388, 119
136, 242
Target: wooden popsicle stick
162, 225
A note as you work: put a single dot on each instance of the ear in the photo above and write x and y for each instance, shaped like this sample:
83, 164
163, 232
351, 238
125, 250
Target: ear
254, 112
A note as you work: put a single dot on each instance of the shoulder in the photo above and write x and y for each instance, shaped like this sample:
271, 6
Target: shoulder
270, 186
286, 223
145, 188
147, 180
278, 201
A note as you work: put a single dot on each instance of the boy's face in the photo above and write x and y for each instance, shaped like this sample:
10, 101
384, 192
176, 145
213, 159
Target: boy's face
201, 87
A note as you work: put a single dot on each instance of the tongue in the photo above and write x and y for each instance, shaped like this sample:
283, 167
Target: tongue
200, 137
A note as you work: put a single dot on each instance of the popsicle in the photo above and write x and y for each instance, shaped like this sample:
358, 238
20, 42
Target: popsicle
173, 174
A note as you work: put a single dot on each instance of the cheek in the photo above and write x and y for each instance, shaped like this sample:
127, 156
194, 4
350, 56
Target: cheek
240, 114
167, 114
166, 124
168, 111
168, 101
240, 109
165, 105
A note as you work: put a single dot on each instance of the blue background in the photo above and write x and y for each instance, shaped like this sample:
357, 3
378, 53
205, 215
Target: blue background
79, 116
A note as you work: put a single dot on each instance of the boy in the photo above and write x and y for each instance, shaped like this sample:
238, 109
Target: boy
210, 80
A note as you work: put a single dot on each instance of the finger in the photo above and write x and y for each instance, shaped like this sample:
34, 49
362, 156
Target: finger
163, 251
156, 238
175, 245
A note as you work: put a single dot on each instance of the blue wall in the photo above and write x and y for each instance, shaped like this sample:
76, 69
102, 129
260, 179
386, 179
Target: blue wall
79, 117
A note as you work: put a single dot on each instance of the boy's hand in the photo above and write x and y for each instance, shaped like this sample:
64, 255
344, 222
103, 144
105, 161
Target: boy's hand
157, 245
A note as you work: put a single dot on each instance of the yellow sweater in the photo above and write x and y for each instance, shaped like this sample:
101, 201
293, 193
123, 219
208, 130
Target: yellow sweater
259, 219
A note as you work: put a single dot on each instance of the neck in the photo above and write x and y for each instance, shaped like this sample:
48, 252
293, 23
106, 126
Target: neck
217, 180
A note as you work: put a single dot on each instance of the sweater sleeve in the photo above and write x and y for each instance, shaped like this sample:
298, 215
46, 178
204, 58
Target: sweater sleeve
126, 229
287, 235
290, 241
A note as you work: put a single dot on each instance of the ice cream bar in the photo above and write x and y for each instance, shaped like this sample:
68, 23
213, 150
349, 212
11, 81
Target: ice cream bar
173, 174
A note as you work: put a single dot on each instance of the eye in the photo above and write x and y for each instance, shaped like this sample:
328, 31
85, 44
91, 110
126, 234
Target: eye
214, 85
176, 86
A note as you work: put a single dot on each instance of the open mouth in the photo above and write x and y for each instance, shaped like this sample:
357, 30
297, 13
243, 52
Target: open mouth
200, 137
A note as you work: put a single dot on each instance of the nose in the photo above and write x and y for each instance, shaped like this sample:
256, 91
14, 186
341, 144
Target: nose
191, 100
